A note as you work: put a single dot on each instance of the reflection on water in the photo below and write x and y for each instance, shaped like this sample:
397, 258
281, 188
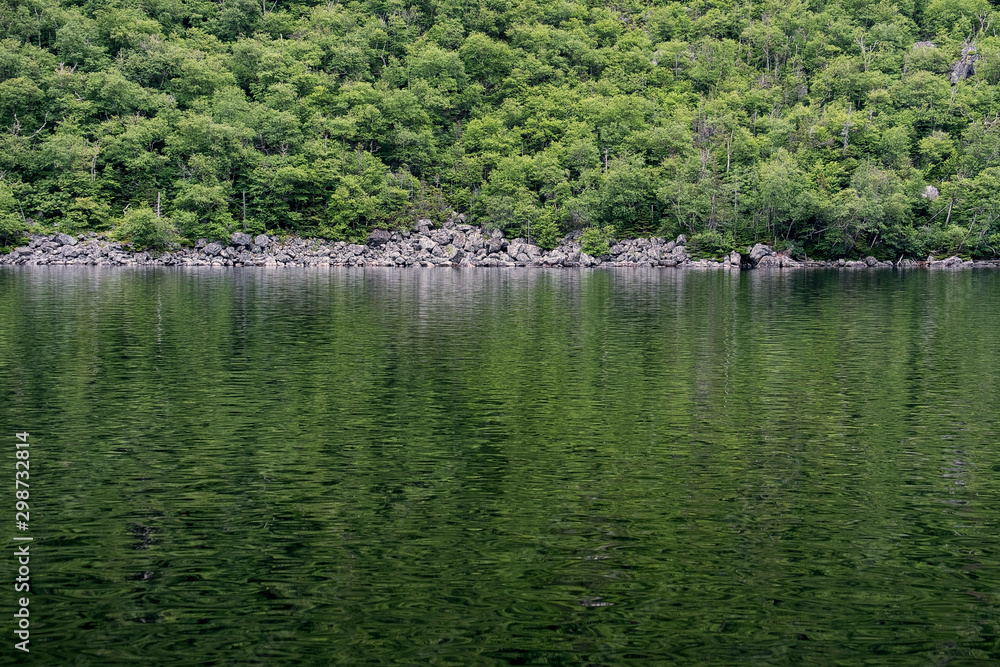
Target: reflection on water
507, 467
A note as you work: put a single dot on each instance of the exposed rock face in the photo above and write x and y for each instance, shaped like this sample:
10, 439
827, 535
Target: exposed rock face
966, 65
931, 193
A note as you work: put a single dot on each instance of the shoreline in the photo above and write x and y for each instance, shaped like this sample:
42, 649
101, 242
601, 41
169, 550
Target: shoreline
453, 245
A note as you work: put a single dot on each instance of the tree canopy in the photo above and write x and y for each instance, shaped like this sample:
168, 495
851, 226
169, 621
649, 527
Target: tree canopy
835, 128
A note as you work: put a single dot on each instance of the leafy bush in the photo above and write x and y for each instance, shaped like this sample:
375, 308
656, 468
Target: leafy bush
145, 230
11, 230
545, 231
710, 243
11, 224
596, 241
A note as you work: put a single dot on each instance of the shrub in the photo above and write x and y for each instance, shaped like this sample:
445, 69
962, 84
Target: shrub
11, 224
11, 230
145, 230
546, 231
596, 241
710, 243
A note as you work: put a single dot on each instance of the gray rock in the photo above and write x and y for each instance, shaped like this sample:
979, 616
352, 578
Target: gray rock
966, 65
64, 239
262, 240
441, 236
378, 238
682, 240
789, 263
240, 239
769, 262
213, 249
735, 259
758, 252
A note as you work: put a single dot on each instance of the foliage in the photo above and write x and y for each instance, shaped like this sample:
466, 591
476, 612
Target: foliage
596, 241
814, 124
710, 243
144, 229
12, 226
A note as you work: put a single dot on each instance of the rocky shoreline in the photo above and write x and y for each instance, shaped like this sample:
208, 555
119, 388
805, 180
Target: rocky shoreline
455, 244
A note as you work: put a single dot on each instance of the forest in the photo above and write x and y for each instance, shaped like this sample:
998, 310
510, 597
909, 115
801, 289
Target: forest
829, 129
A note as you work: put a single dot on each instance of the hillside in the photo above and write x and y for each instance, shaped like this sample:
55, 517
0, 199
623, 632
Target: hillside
833, 129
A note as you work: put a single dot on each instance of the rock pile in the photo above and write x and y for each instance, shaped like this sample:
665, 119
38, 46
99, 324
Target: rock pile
455, 244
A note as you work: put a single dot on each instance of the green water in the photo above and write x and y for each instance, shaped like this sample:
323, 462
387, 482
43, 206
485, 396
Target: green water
488, 467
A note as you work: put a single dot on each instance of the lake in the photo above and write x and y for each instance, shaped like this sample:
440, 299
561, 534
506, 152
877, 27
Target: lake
505, 467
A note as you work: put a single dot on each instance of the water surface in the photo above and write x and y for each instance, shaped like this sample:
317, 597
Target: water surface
499, 467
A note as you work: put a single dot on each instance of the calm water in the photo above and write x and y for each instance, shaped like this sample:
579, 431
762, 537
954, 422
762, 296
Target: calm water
493, 467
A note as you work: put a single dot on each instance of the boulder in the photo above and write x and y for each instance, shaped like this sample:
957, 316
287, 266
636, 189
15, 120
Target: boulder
441, 236
378, 238
951, 262
758, 252
64, 239
769, 262
213, 249
262, 240
789, 263
240, 239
